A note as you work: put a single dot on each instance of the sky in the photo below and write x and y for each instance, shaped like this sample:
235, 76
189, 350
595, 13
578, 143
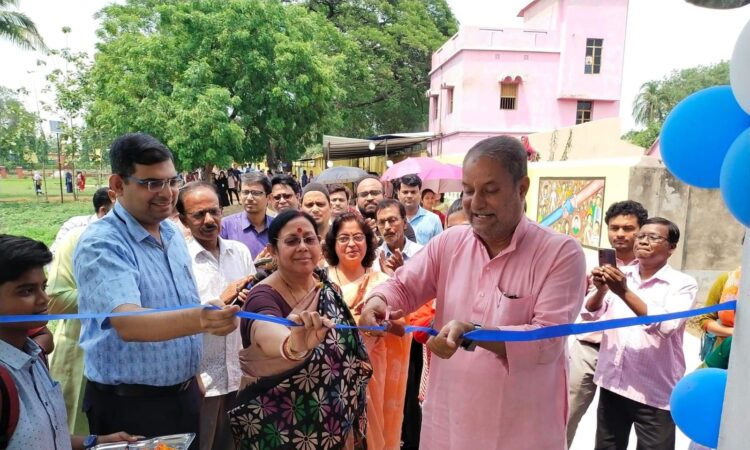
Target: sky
662, 35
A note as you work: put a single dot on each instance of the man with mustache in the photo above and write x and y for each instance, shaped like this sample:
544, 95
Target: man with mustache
285, 193
369, 193
623, 220
316, 201
340, 196
396, 248
505, 272
221, 269
141, 368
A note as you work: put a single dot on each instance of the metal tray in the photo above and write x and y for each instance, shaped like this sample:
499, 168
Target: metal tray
175, 441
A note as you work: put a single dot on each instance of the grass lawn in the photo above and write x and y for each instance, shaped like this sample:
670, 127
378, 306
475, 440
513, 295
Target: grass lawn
23, 213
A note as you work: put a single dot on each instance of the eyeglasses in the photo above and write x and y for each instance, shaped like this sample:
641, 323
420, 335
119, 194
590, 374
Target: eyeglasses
256, 194
390, 221
345, 238
366, 194
278, 197
295, 241
200, 215
650, 237
158, 185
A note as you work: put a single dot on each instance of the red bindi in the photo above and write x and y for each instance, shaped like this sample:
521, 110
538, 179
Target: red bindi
299, 230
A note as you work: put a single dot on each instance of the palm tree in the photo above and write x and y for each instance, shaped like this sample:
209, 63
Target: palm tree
18, 28
650, 104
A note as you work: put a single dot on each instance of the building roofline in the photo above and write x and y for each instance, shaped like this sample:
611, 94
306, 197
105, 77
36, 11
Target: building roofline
490, 49
525, 8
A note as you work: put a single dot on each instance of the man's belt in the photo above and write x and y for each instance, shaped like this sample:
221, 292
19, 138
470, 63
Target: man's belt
142, 390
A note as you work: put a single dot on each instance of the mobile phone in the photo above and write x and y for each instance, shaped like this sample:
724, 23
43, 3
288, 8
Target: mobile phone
607, 256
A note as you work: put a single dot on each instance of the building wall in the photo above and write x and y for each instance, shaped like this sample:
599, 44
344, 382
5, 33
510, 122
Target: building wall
582, 19
710, 241
547, 62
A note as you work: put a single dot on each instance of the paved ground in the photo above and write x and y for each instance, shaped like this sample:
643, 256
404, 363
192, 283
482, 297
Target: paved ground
584, 439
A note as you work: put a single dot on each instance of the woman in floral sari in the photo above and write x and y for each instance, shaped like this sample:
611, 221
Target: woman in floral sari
303, 387
350, 251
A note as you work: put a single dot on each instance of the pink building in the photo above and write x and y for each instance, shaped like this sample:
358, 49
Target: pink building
562, 68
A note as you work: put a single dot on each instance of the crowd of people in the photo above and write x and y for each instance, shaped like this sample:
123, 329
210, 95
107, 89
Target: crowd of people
318, 260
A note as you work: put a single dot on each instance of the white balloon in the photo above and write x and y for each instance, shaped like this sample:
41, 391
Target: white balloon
739, 69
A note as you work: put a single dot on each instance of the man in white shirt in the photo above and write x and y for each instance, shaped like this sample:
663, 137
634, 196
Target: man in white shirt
102, 205
396, 248
222, 269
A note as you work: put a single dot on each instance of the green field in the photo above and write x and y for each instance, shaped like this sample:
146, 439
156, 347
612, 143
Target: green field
23, 213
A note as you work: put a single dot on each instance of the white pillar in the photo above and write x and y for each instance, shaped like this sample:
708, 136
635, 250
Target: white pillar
735, 418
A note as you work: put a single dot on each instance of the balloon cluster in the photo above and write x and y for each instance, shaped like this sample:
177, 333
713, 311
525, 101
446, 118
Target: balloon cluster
705, 140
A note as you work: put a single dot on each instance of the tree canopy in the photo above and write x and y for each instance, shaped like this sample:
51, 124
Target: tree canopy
240, 80
657, 98
396, 39
18, 128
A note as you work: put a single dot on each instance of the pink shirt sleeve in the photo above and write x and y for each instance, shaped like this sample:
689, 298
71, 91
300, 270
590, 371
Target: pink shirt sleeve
414, 283
558, 302
681, 298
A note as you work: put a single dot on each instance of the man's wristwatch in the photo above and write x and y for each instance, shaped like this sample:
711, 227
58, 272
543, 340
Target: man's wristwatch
90, 441
468, 344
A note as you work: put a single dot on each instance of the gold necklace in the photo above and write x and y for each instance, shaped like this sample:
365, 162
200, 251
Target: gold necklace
289, 288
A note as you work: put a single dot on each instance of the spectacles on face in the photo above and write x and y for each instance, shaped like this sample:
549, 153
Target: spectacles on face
286, 197
295, 241
200, 215
654, 238
390, 221
344, 239
373, 193
255, 194
158, 185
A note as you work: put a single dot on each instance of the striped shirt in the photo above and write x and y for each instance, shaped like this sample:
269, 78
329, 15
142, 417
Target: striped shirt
643, 363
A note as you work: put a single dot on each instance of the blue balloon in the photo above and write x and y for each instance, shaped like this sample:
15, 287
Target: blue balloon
735, 178
698, 132
696, 405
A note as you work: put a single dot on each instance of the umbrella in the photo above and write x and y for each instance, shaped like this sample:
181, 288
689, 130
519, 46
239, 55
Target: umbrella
340, 175
439, 177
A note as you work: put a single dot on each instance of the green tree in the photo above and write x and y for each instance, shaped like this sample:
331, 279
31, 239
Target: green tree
386, 84
18, 28
216, 80
18, 129
658, 97
650, 104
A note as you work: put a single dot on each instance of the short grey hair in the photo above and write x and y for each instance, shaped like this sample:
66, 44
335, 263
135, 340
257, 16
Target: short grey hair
508, 150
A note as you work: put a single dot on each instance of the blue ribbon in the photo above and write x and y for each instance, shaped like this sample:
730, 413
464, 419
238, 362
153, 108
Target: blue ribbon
553, 331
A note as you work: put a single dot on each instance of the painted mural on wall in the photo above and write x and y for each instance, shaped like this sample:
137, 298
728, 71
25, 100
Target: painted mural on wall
572, 206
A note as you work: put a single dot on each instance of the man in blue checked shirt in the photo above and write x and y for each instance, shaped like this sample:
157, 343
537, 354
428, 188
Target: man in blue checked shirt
141, 369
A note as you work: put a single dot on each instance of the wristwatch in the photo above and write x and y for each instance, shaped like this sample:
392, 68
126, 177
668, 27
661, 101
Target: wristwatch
90, 441
468, 344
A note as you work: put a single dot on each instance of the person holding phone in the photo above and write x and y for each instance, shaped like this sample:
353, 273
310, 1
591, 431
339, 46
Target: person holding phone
222, 270
639, 366
623, 220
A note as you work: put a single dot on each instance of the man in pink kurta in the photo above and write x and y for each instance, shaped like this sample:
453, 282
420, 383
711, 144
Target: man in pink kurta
502, 395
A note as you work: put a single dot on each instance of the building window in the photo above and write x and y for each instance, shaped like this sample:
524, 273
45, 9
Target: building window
593, 55
583, 112
508, 95
434, 100
449, 100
